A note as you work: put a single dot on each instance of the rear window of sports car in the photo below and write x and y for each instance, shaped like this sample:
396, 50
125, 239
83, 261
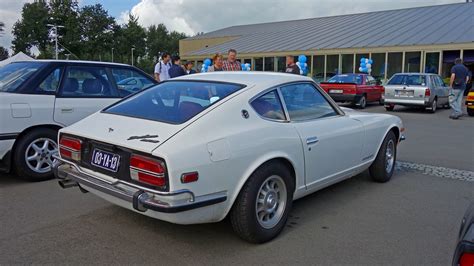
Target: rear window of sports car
173, 102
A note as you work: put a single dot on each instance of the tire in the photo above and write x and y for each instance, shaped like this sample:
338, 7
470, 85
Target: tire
434, 106
382, 168
362, 102
470, 112
243, 216
390, 108
32, 145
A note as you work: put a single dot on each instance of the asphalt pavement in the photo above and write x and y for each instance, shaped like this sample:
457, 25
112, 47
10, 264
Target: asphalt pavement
411, 220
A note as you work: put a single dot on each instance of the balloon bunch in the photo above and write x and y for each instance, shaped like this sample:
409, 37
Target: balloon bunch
246, 67
206, 65
366, 65
302, 65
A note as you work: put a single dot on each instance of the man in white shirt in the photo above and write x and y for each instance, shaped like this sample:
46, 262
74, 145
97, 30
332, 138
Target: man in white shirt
162, 67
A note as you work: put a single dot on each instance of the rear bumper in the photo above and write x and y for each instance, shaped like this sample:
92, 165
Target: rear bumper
470, 105
406, 102
339, 97
6, 146
133, 196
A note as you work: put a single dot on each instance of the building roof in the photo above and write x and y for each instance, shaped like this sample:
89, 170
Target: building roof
441, 24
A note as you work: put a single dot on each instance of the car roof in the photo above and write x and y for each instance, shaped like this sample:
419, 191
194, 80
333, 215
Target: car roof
415, 73
73, 62
267, 79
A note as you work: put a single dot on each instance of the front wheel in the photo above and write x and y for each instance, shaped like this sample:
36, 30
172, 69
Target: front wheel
261, 209
32, 157
382, 168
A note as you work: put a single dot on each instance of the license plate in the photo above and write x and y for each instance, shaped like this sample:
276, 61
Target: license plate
105, 160
336, 91
405, 93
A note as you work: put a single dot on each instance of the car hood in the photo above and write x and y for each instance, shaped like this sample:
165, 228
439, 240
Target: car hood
134, 133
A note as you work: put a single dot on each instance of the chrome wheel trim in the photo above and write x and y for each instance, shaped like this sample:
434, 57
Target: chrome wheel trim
270, 203
38, 155
389, 156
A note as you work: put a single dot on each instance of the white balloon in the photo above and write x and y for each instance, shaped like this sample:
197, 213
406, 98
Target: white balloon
369, 66
366, 61
360, 69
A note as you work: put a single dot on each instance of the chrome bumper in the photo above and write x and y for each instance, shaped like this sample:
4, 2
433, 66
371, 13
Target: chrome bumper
141, 198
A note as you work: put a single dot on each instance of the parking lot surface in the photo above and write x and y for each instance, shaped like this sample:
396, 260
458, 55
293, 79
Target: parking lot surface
412, 220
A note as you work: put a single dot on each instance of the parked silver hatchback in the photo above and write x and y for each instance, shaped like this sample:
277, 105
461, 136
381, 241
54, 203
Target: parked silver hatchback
416, 89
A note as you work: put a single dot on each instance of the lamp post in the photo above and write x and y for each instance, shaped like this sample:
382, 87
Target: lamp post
133, 48
112, 54
55, 28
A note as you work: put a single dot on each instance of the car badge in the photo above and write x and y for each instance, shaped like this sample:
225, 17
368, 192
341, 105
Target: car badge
111, 130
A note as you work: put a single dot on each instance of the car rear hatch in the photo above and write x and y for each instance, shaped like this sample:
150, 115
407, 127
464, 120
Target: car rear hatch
339, 88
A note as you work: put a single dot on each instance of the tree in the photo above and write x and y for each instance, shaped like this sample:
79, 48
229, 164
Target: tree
66, 13
157, 37
3, 53
133, 35
31, 29
96, 31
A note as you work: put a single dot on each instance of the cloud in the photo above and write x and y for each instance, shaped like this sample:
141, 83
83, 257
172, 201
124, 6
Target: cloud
10, 12
191, 16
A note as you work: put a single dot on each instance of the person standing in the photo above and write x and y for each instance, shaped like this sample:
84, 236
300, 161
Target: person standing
176, 70
218, 61
231, 64
291, 67
162, 68
189, 68
458, 81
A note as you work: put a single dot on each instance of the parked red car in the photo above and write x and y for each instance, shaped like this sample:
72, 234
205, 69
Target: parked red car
359, 89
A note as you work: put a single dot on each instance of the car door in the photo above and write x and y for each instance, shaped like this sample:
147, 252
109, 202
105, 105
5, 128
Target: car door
85, 89
332, 141
373, 91
443, 90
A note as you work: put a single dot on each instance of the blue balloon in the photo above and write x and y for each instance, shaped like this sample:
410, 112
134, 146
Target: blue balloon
370, 61
302, 59
362, 60
207, 62
363, 65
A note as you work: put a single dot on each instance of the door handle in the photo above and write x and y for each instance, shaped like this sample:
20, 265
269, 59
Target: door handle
67, 110
312, 140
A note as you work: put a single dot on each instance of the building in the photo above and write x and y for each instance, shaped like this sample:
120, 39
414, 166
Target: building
423, 39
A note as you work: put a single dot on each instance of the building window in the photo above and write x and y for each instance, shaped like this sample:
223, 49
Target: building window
281, 64
269, 64
258, 64
448, 62
378, 66
432, 63
394, 64
412, 61
332, 66
318, 68
347, 63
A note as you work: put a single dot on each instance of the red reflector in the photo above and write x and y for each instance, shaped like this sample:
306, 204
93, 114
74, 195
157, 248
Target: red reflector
427, 92
189, 177
147, 170
467, 259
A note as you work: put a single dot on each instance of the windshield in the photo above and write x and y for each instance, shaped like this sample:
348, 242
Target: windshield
173, 102
346, 78
14, 74
419, 80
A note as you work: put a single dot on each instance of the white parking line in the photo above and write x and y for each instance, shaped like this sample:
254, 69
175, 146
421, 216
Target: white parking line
438, 171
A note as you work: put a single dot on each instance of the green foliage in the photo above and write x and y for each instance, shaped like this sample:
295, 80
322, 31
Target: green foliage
3, 53
90, 33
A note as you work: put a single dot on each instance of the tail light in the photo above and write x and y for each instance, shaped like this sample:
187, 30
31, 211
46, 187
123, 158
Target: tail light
467, 259
70, 148
427, 92
147, 170
470, 97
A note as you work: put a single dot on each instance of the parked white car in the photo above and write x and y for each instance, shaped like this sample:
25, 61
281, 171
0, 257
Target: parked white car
198, 148
37, 98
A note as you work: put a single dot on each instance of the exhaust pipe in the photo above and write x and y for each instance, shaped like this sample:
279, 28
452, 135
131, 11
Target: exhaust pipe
66, 183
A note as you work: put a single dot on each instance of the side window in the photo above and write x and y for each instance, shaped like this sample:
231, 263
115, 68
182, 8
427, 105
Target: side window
269, 106
51, 83
440, 81
130, 81
305, 102
87, 82
370, 80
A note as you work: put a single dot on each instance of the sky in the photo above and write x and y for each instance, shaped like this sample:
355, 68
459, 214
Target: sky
192, 16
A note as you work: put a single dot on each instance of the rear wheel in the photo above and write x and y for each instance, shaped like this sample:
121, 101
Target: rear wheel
434, 106
362, 102
32, 158
389, 107
261, 210
470, 112
382, 168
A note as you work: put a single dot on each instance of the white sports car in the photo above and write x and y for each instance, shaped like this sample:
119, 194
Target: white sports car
198, 148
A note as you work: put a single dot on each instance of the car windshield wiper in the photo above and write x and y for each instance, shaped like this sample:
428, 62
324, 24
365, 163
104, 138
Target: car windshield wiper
143, 137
